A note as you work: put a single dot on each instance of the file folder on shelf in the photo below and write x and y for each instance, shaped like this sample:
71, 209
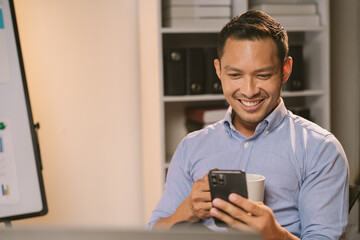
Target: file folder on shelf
213, 83
174, 71
195, 71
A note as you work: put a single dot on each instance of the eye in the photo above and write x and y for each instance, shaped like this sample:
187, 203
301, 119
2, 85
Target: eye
234, 75
264, 76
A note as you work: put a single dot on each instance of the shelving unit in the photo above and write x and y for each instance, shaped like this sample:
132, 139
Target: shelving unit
171, 117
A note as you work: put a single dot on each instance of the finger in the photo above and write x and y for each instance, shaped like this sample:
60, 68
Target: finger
205, 214
234, 223
205, 177
246, 204
205, 185
232, 210
199, 187
206, 181
201, 196
206, 206
203, 207
203, 181
202, 210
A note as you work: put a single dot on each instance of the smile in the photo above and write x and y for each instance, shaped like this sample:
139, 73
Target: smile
250, 104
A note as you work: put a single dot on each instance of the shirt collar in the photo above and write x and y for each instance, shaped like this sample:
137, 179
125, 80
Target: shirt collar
276, 117
268, 124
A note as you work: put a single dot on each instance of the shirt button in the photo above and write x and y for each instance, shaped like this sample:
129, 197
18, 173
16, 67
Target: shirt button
246, 145
267, 132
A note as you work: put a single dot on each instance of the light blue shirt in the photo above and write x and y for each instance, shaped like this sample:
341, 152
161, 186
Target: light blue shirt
305, 168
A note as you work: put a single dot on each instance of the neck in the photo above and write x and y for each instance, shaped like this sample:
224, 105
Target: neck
247, 129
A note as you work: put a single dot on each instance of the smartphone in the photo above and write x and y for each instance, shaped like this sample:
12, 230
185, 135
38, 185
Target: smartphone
223, 183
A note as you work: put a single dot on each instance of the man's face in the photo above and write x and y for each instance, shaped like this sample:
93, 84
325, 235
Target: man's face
251, 77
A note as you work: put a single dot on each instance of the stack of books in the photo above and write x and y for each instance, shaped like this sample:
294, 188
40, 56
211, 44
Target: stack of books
292, 14
196, 13
198, 118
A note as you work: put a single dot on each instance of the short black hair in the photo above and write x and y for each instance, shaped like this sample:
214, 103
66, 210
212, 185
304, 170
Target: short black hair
254, 25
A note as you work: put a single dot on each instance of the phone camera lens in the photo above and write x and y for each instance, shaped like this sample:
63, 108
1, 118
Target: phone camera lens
221, 179
214, 180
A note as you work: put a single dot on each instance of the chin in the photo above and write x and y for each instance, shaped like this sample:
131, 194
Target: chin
250, 119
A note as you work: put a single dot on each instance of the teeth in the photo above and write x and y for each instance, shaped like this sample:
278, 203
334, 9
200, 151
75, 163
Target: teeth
250, 104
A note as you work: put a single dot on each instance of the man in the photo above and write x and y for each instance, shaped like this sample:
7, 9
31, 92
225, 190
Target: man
306, 171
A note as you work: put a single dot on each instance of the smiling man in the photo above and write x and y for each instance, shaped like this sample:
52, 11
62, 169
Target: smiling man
306, 170
251, 76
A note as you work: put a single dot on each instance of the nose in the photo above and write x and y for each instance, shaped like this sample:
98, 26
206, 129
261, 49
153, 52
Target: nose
249, 87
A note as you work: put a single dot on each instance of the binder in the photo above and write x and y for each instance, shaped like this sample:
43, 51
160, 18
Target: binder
296, 79
174, 71
195, 68
213, 83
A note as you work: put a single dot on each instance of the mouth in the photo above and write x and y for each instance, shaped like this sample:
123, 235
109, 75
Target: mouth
251, 105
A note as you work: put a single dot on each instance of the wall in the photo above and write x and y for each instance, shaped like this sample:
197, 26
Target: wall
152, 118
81, 60
345, 81
345, 85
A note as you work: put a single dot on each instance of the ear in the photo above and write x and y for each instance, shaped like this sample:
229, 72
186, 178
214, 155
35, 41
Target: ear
287, 68
217, 67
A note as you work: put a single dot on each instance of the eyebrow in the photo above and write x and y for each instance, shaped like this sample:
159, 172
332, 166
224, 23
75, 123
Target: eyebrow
264, 69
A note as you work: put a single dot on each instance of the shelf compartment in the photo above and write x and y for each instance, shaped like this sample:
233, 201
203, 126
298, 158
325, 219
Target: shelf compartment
304, 93
194, 98
219, 97
216, 30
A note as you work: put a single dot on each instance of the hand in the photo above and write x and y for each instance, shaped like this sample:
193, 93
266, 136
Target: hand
245, 214
195, 207
199, 200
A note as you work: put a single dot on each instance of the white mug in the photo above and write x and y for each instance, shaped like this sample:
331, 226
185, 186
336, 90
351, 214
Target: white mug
255, 187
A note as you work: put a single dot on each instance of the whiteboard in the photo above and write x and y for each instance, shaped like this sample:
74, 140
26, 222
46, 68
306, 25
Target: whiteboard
22, 192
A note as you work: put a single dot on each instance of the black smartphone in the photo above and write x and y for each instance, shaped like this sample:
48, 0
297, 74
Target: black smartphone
224, 182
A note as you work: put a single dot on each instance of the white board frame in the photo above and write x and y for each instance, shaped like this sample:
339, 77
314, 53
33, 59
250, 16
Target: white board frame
21, 137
